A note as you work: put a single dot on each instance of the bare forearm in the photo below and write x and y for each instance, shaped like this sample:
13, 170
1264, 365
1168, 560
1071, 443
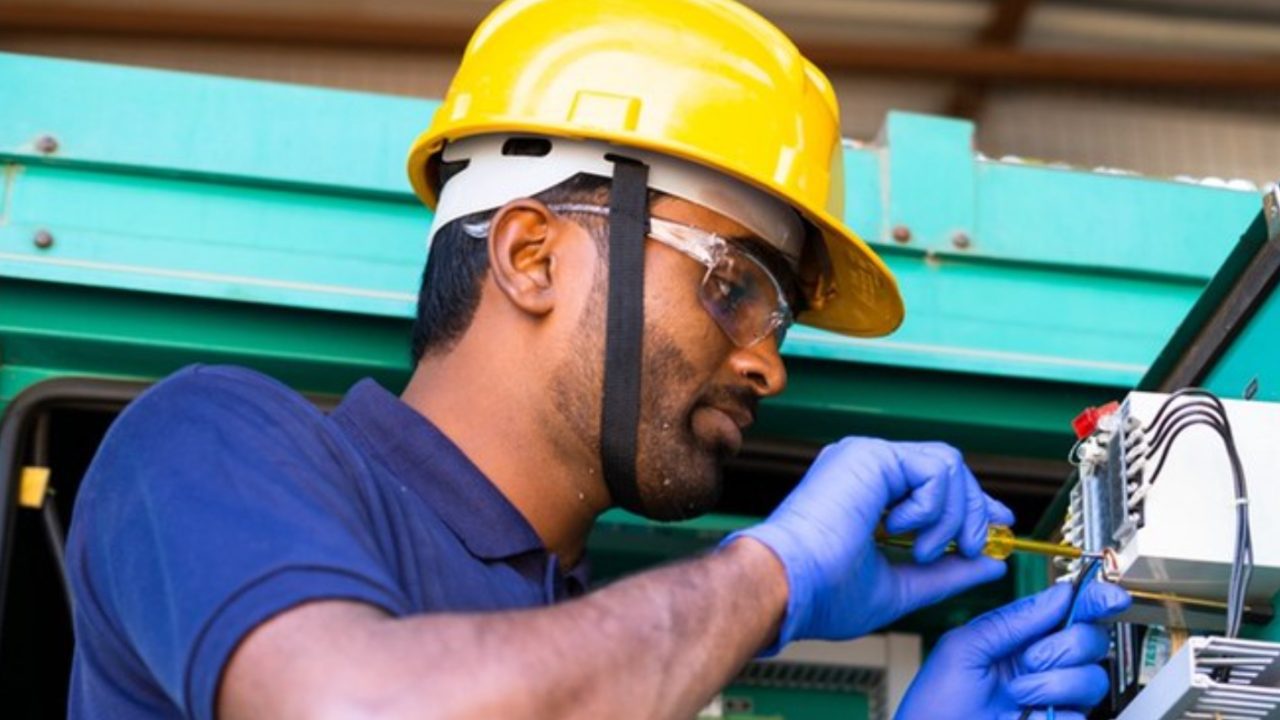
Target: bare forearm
657, 645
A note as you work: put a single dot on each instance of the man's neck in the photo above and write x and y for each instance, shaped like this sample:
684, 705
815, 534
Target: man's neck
484, 411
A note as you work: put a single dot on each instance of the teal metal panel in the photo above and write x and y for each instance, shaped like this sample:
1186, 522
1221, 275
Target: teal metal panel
1104, 224
864, 191
1252, 362
239, 190
55, 329
274, 245
1036, 322
167, 122
1052, 255
932, 185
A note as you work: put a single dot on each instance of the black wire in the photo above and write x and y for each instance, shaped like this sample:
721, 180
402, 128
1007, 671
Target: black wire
51, 520
1177, 429
1200, 406
1178, 417
1169, 422
57, 543
1197, 392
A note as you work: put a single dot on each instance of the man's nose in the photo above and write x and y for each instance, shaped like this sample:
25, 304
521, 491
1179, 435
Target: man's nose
761, 364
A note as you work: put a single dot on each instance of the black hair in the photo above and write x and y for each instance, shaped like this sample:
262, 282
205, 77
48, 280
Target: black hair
458, 263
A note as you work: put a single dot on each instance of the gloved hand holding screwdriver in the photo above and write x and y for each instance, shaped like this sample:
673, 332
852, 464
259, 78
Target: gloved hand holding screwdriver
841, 585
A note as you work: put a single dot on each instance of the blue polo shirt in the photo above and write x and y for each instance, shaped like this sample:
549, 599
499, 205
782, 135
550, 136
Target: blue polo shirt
221, 498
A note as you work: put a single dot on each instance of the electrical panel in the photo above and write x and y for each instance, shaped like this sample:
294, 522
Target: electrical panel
1173, 534
1174, 503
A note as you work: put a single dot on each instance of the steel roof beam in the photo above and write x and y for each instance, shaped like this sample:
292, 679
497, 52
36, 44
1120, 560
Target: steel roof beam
995, 65
1003, 29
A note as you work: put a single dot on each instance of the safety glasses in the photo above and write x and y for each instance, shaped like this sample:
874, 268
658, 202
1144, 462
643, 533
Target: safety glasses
738, 291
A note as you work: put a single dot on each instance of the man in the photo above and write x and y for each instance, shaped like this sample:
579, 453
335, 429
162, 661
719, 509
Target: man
633, 200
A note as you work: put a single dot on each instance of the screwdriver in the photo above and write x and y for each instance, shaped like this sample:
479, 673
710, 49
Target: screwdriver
1001, 543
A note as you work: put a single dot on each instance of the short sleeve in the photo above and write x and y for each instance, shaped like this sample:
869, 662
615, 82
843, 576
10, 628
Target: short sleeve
217, 500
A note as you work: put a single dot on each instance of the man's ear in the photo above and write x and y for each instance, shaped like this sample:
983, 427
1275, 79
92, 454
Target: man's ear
521, 261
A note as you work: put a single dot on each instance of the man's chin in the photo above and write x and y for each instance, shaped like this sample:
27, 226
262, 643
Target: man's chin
683, 499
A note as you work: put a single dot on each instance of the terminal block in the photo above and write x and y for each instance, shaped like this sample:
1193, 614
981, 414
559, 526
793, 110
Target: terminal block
1156, 496
1173, 500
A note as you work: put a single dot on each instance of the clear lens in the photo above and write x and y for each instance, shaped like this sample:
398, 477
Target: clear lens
741, 295
744, 300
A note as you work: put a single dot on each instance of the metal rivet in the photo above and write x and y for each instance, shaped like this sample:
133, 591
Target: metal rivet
901, 234
961, 240
43, 239
1251, 390
47, 144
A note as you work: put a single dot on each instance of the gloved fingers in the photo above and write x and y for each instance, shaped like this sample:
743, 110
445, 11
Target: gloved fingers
1081, 686
867, 467
1043, 715
967, 513
1000, 633
998, 512
922, 507
927, 470
973, 528
1079, 644
932, 540
1099, 600
921, 585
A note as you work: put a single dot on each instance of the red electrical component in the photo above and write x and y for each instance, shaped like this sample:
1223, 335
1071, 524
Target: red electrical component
1087, 421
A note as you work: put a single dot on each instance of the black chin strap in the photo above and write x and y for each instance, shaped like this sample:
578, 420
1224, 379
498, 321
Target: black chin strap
624, 339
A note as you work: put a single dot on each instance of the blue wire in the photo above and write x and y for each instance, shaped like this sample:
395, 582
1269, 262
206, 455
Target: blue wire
1089, 574
1086, 574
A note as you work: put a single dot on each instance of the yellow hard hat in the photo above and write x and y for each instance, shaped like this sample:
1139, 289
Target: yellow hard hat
705, 81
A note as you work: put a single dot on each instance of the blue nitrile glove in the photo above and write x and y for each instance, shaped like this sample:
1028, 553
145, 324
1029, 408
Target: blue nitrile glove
839, 584
1011, 658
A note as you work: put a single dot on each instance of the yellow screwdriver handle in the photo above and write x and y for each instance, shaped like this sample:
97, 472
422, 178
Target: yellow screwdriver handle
1001, 543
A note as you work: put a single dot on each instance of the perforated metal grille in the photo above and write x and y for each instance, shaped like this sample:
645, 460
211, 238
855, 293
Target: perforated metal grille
1248, 694
815, 676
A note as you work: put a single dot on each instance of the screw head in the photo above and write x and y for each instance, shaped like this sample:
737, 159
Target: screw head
901, 234
961, 241
43, 239
47, 144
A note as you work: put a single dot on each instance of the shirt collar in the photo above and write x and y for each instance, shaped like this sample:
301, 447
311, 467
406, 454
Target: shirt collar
427, 461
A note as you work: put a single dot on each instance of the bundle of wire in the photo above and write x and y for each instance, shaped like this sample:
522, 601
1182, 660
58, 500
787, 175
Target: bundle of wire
1194, 407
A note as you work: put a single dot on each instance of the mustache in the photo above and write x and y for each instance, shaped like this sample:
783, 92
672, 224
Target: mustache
735, 396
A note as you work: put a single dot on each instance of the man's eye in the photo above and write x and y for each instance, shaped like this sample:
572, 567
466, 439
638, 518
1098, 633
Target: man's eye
724, 287
728, 289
